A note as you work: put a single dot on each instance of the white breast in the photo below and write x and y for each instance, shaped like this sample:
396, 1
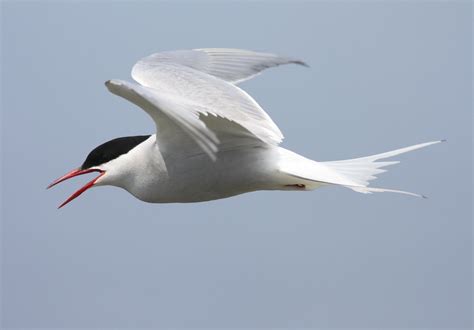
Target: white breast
152, 177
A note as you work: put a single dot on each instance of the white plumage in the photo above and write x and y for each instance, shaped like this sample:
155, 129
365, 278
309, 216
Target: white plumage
213, 140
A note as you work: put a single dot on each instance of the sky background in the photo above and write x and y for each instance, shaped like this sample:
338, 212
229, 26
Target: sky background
383, 75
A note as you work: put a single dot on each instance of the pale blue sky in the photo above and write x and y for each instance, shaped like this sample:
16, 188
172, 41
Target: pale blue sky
383, 75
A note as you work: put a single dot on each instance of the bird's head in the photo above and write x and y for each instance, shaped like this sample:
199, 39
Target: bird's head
109, 160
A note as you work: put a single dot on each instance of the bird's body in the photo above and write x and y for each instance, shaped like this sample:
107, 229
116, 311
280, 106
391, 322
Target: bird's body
197, 178
164, 178
213, 140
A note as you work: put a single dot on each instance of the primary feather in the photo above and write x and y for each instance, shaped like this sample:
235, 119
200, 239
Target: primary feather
231, 65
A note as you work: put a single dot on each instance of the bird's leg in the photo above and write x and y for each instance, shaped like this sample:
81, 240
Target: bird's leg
296, 185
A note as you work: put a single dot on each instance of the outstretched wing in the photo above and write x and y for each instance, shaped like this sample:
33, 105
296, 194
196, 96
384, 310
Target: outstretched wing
231, 65
189, 104
185, 104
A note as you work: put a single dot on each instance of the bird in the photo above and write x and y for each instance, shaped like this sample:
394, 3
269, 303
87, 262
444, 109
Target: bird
212, 140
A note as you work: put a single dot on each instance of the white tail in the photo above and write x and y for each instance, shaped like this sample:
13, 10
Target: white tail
359, 171
351, 173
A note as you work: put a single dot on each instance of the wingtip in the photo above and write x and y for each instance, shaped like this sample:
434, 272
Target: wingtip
111, 82
300, 62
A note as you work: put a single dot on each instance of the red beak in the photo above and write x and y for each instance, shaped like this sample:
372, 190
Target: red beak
72, 174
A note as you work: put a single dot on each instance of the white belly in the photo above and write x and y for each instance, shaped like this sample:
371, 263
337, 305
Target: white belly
198, 178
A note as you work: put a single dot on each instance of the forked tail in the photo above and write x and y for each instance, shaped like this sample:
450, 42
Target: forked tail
355, 174
360, 171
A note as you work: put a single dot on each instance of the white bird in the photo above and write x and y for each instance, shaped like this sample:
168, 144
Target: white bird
212, 139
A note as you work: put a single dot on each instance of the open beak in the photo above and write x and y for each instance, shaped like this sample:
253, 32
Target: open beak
72, 174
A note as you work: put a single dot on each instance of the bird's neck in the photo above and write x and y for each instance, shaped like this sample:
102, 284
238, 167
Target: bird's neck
143, 165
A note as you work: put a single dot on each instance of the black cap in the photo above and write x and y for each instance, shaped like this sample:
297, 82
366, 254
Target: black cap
112, 149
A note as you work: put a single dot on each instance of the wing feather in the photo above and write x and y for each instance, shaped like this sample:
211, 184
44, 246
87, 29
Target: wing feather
192, 97
165, 110
231, 65
211, 96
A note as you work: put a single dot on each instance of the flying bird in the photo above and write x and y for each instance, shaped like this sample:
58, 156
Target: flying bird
212, 139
